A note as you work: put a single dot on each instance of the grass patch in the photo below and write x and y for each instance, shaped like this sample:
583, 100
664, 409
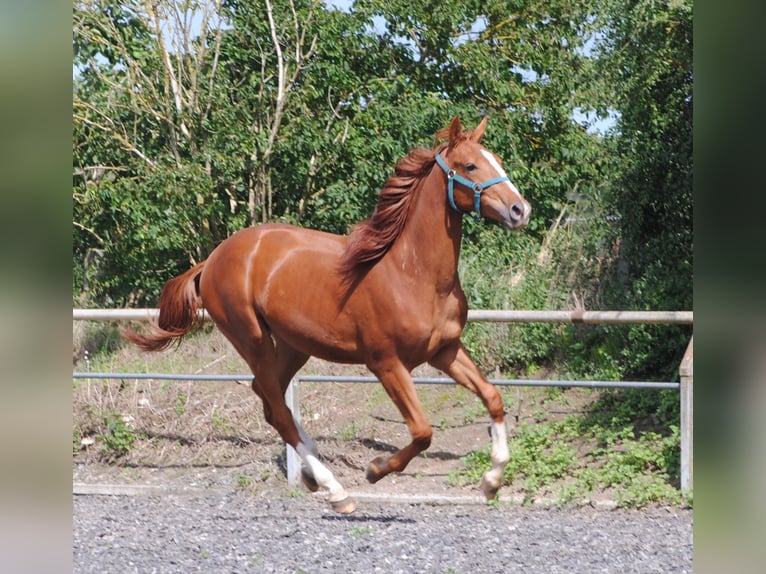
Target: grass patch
573, 459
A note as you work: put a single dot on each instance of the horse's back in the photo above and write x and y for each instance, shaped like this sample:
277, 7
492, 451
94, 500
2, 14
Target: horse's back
278, 237
257, 259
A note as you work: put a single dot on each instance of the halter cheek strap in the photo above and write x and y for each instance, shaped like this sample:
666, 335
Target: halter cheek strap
478, 188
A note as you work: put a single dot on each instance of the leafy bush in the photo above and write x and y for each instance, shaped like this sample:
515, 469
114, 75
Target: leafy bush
561, 272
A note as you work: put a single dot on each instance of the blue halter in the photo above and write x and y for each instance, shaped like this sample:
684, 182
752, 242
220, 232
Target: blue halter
478, 188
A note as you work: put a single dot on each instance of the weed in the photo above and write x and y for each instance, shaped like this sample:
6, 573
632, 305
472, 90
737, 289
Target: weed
532, 369
242, 480
473, 411
119, 436
76, 441
359, 531
218, 420
542, 453
349, 432
181, 404
555, 394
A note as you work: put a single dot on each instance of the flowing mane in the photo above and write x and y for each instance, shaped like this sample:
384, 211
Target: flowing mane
372, 238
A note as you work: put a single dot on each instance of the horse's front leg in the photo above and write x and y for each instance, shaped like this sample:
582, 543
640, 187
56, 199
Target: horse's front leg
399, 385
458, 364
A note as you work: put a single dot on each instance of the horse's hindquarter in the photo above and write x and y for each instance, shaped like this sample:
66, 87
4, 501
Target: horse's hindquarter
282, 276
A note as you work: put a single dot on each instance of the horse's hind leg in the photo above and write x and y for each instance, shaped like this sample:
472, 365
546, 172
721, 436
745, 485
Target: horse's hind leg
273, 364
288, 362
457, 363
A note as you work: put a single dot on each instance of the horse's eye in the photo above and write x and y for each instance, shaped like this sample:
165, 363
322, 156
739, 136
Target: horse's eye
470, 167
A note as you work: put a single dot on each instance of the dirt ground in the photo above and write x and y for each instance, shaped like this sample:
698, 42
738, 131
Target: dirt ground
193, 434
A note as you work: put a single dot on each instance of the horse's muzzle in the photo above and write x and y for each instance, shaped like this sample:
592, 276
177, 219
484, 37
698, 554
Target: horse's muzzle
518, 215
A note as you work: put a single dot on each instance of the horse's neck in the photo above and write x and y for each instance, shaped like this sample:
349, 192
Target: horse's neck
430, 240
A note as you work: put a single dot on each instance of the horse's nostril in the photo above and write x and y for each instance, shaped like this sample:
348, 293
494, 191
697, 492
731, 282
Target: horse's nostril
517, 211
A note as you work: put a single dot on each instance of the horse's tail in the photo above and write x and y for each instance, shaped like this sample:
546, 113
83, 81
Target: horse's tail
179, 302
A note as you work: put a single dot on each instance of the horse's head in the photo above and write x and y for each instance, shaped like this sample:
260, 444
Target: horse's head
476, 181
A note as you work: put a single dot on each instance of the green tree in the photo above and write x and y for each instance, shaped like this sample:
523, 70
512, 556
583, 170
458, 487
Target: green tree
144, 200
648, 61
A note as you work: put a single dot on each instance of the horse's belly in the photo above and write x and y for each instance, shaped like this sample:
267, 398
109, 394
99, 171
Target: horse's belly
326, 340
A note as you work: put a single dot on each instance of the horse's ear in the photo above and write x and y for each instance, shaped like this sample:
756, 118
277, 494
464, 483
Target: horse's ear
455, 130
477, 134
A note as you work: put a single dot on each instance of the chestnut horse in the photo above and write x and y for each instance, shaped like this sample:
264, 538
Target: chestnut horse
388, 296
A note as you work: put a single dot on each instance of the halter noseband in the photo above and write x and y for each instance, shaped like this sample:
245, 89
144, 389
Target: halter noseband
478, 188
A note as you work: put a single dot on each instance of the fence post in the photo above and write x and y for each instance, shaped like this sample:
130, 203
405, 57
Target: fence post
293, 460
686, 372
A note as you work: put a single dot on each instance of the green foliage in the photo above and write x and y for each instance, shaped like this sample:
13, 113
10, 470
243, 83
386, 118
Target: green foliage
76, 440
163, 172
349, 432
649, 62
639, 469
94, 339
360, 531
541, 454
181, 401
640, 466
636, 407
473, 411
118, 436
560, 272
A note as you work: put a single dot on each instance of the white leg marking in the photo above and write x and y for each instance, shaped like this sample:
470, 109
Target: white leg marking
322, 474
500, 455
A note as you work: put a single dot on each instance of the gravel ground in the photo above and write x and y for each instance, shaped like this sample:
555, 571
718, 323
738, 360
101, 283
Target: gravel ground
275, 532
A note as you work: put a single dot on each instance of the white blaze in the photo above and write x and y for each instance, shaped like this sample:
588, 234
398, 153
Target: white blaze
499, 169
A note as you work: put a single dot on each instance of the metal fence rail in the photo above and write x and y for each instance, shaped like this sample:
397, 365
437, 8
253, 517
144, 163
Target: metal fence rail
485, 315
656, 385
685, 386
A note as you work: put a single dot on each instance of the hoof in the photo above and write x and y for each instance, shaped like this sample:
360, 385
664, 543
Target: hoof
344, 506
489, 490
374, 472
308, 480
